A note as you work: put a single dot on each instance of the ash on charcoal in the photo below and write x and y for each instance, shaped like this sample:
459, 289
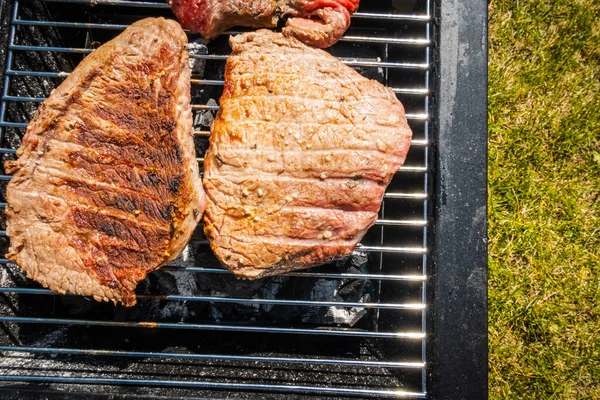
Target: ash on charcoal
227, 286
204, 118
263, 289
165, 282
175, 280
325, 290
159, 283
214, 70
340, 290
278, 287
197, 48
290, 288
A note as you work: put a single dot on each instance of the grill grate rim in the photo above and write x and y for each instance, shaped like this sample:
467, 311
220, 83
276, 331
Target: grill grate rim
420, 170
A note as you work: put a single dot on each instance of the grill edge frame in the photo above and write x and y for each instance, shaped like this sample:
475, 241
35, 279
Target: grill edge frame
458, 352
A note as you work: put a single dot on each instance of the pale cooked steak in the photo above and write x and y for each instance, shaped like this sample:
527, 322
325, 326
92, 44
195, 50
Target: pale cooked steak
319, 23
300, 155
106, 188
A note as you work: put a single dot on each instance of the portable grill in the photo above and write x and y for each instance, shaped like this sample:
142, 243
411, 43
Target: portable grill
404, 316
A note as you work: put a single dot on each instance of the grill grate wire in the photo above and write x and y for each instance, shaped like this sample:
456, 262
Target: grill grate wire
382, 270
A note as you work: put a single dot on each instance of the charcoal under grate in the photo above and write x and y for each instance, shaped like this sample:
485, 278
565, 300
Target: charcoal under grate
356, 327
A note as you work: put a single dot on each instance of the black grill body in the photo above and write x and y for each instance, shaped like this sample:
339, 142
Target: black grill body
403, 317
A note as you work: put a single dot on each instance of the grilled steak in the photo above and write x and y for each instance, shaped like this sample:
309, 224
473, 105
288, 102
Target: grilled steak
318, 23
106, 188
300, 155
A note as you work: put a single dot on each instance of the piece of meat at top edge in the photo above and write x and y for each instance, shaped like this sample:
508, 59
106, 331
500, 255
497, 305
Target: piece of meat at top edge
318, 23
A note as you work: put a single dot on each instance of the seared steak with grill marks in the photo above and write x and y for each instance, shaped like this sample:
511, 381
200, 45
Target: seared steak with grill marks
300, 155
106, 188
318, 23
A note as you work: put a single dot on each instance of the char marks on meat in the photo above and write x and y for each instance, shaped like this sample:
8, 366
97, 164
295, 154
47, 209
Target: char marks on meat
319, 23
300, 155
106, 188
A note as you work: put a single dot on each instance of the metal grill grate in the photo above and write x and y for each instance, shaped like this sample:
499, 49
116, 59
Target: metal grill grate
69, 342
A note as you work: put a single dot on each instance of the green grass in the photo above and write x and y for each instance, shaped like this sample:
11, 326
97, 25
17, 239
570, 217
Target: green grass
544, 207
